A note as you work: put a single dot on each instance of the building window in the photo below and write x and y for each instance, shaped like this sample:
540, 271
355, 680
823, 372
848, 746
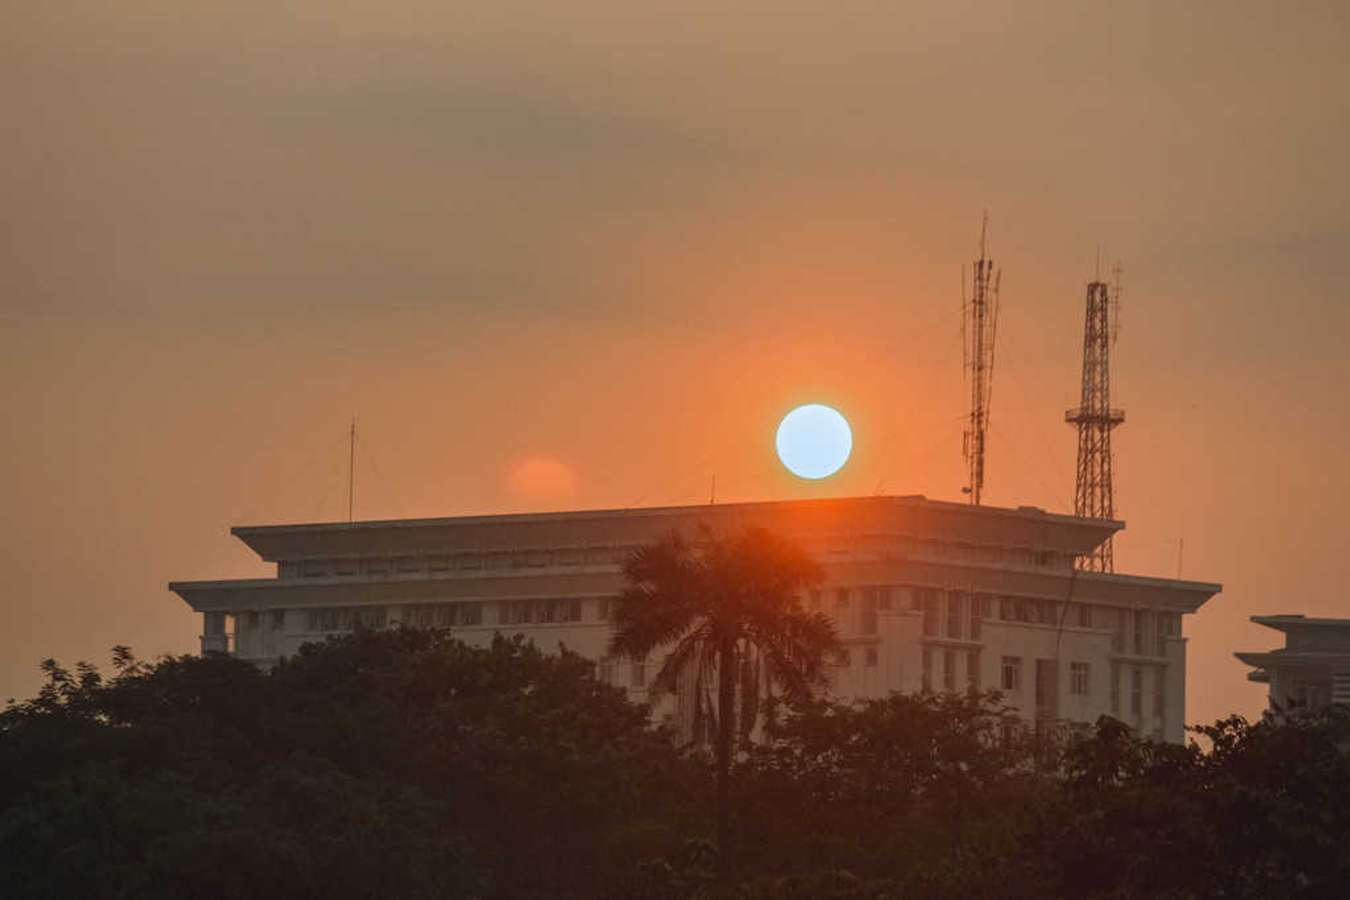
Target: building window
1012, 673
1136, 690
927, 669
973, 670
1168, 626
314, 568
409, 564
602, 611
1115, 688
1023, 606
1084, 615
252, 619
1118, 638
884, 598
976, 616
1140, 623
954, 608
376, 566
1080, 678
841, 598
930, 601
868, 619
1047, 687
870, 658
949, 670
278, 618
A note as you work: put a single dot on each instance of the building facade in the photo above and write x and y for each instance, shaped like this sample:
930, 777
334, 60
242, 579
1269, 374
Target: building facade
925, 594
1311, 670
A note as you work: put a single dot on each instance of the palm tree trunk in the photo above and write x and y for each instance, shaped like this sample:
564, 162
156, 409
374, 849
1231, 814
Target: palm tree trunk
726, 729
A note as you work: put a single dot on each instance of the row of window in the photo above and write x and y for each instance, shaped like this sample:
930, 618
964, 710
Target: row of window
1136, 688
444, 615
345, 618
434, 615
538, 612
448, 562
958, 615
949, 675
578, 556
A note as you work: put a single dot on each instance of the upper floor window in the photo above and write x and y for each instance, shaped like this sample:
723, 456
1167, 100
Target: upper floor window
1011, 673
955, 603
868, 618
1080, 678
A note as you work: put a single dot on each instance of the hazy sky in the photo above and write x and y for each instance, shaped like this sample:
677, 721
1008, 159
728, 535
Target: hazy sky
588, 253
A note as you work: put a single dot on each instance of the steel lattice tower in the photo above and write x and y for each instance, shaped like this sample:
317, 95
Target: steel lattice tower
1095, 418
979, 325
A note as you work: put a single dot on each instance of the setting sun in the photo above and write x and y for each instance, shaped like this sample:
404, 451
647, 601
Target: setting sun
814, 441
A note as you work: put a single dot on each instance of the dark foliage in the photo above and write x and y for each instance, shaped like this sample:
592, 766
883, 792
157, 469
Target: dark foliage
405, 764
393, 764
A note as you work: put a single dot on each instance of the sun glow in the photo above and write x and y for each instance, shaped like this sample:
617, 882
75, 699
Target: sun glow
814, 441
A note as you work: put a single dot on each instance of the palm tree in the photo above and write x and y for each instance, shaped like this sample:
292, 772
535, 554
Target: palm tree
731, 610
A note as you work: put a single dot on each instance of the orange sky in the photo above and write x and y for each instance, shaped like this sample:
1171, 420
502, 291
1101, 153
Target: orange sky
555, 255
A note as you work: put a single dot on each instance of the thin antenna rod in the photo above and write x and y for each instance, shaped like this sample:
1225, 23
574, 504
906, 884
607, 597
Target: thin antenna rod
351, 472
712, 494
979, 323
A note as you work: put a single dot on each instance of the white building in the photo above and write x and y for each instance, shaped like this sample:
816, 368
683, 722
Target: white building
924, 593
1311, 670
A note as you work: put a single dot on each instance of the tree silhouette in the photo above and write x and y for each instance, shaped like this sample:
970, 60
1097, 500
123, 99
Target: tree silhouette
730, 610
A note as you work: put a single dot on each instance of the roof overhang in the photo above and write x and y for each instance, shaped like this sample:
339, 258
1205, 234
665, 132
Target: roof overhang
928, 519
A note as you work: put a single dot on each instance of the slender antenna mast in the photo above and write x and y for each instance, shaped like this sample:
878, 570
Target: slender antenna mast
1095, 497
351, 471
712, 494
979, 326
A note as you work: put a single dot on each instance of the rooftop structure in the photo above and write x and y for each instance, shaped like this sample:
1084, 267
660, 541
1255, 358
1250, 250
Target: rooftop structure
1311, 670
925, 594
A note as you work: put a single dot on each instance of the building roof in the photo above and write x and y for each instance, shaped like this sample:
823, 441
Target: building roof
933, 519
1290, 621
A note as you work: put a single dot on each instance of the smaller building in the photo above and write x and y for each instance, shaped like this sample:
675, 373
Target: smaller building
1311, 670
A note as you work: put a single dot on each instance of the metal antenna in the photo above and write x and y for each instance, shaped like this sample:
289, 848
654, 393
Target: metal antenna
351, 472
979, 326
1094, 497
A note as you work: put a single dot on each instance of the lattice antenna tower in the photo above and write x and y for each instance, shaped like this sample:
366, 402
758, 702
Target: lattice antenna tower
979, 327
1095, 418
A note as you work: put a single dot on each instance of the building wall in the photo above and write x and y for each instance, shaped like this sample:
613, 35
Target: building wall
887, 654
924, 594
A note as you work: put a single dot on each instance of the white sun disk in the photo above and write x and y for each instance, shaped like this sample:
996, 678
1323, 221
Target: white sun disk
814, 441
